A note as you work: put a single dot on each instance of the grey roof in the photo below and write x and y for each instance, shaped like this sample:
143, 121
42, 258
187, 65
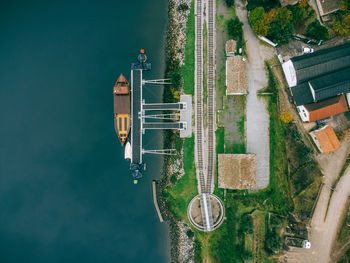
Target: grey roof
332, 84
302, 94
321, 62
328, 6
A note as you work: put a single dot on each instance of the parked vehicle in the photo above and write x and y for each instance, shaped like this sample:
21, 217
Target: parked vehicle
307, 50
298, 242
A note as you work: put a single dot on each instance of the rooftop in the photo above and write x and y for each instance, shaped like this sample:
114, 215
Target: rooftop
325, 139
302, 94
230, 47
326, 108
321, 62
330, 85
237, 171
328, 6
236, 76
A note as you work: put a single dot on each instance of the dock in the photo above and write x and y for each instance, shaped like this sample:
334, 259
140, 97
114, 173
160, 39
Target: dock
164, 116
156, 202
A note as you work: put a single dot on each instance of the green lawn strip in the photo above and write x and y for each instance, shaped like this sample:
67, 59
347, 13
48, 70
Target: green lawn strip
187, 70
226, 244
220, 140
185, 189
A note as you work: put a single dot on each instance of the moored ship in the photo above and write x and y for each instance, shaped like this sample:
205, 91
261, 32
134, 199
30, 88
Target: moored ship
121, 93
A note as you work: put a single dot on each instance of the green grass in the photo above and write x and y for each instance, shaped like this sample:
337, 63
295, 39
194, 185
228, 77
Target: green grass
205, 92
187, 71
220, 140
185, 189
235, 148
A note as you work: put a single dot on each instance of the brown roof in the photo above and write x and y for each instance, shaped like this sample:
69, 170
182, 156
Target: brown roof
236, 76
327, 108
326, 139
328, 6
230, 46
237, 171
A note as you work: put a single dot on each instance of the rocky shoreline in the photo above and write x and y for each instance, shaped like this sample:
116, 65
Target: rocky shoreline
182, 245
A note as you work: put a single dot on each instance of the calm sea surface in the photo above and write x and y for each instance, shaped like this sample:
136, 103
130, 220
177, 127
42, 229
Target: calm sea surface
66, 194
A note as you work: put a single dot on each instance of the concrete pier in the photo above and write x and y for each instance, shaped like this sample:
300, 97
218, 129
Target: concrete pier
156, 202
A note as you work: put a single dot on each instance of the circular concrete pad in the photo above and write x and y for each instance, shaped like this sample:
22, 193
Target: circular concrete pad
194, 212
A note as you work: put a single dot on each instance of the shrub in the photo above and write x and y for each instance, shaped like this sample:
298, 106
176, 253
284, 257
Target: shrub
234, 28
297, 12
286, 117
267, 4
190, 233
317, 31
182, 7
280, 35
230, 3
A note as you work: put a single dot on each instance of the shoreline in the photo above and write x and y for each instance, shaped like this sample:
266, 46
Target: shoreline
178, 12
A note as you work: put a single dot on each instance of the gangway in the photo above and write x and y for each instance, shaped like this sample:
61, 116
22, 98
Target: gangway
139, 110
163, 126
163, 106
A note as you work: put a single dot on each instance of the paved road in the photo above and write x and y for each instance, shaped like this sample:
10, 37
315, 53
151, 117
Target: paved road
257, 116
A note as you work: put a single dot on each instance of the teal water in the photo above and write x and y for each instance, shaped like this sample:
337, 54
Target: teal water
66, 194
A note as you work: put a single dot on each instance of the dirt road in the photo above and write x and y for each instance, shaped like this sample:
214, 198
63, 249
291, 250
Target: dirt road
326, 222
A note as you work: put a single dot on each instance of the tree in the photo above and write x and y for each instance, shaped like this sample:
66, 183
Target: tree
257, 20
286, 117
256, 14
284, 17
280, 35
317, 31
340, 29
271, 16
297, 12
230, 3
303, 3
234, 28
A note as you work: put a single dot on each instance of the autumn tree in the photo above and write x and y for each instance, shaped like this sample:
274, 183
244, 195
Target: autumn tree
259, 24
286, 117
284, 17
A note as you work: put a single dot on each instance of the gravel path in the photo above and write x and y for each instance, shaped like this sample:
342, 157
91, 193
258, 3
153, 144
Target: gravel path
257, 122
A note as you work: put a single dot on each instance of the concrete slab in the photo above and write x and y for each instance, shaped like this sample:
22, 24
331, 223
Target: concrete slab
186, 116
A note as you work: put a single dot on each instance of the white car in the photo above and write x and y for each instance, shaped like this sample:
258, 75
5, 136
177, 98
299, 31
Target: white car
306, 244
307, 50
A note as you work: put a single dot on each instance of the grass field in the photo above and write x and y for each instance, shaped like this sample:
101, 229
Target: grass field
187, 70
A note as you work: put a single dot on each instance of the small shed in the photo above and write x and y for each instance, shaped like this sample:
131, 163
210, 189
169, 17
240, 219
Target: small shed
231, 47
236, 76
325, 139
237, 171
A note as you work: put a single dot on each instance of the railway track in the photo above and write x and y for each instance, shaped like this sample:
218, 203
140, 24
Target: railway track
211, 97
199, 95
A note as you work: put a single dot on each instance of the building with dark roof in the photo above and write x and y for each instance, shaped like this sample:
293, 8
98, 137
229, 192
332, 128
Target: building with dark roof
305, 67
316, 80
